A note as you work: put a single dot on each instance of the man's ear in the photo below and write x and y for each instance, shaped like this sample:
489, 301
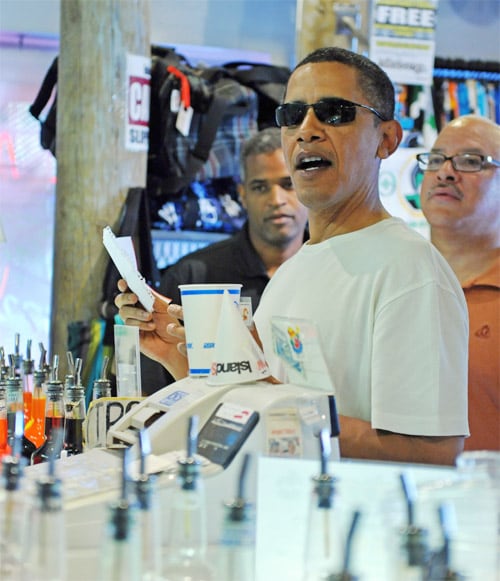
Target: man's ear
392, 134
242, 195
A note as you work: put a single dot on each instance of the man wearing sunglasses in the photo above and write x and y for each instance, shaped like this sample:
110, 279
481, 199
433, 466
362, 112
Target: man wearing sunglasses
390, 313
460, 199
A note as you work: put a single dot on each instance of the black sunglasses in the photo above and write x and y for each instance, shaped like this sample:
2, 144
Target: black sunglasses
332, 110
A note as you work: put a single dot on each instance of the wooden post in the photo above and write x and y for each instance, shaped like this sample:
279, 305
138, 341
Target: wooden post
94, 168
318, 25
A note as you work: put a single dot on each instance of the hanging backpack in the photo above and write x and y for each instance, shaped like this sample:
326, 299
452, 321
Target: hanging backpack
199, 118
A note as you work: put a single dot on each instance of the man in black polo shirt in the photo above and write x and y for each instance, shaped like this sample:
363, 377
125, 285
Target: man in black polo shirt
274, 231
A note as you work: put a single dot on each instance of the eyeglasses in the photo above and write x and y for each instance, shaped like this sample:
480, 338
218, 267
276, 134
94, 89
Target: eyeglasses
332, 111
465, 162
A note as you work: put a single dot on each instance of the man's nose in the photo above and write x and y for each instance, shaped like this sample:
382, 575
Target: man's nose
277, 195
447, 172
311, 127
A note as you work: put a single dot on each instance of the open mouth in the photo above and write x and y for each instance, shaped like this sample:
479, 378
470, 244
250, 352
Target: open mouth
312, 162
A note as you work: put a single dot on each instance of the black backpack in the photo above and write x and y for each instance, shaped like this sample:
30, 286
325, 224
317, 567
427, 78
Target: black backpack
224, 114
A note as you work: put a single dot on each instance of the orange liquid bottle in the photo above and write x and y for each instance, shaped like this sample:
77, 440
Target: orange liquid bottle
35, 428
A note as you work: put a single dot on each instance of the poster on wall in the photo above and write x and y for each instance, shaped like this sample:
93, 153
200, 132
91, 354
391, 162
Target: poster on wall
402, 39
137, 113
399, 185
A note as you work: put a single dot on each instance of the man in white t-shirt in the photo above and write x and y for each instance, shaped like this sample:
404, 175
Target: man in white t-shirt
391, 315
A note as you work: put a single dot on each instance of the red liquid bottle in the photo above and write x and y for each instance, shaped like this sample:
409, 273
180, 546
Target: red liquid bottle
74, 405
5, 449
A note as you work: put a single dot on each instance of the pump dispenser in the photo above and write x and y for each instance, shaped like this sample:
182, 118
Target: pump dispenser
187, 534
324, 540
440, 562
28, 367
45, 547
121, 550
13, 508
102, 386
413, 550
237, 541
18, 359
148, 515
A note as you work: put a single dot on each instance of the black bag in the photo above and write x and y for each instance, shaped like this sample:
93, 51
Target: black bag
268, 81
48, 124
224, 114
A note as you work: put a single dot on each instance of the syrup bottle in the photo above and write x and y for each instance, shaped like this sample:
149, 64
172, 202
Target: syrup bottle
14, 398
4, 432
13, 508
27, 376
54, 416
323, 551
187, 534
121, 551
236, 551
44, 554
74, 406
148, 515
34, 430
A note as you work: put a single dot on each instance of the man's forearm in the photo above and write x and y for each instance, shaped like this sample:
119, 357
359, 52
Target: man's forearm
359, 440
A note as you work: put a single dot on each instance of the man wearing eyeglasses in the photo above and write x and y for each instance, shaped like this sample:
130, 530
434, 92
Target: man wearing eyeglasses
460, 200
390, 313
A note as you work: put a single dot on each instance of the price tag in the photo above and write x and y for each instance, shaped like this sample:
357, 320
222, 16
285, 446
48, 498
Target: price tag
183, 123
175, 100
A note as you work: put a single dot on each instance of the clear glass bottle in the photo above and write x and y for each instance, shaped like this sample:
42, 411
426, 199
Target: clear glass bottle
75, 410
236, 550
14, 400
326, 519
121, 549
54, 417
44, 554
412, 547
148, 516
13, 509
187, 533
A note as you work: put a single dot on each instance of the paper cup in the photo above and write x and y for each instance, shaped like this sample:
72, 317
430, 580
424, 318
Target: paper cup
201, 304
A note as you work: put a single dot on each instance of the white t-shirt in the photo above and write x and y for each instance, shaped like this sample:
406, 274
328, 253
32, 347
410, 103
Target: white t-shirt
392, 321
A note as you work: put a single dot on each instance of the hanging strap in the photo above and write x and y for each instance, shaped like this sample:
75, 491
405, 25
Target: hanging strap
45, 91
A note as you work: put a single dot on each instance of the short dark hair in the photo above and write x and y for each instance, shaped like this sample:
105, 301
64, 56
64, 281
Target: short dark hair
372, 80
265, 141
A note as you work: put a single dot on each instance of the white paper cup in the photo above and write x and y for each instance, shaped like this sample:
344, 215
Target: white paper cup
201, 304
